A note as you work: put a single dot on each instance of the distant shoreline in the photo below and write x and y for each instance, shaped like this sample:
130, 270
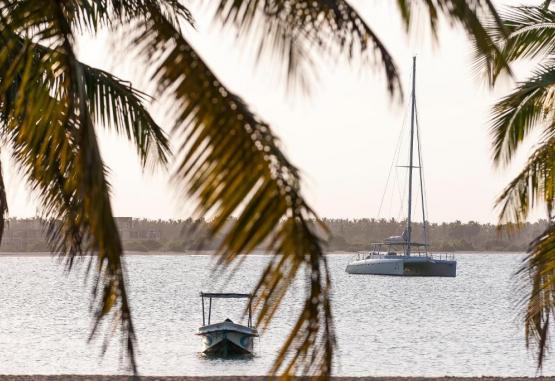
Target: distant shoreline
30, 235
252, 378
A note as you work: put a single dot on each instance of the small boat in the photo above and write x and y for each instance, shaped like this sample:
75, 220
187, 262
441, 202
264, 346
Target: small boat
400, 255
226, 338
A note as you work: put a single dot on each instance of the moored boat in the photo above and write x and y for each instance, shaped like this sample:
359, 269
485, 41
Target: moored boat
390, 262
400, 255
226, 338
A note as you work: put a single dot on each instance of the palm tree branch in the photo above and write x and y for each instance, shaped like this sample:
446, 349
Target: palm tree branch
52, 137
536, 182
3, 204
231, 162
538, 268
291, 31
113, 102
525, 32
518, 113
477, 18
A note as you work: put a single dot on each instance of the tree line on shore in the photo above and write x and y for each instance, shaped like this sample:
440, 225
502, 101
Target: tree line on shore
349, 235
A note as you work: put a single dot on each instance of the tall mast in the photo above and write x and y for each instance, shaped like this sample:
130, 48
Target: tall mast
412, 117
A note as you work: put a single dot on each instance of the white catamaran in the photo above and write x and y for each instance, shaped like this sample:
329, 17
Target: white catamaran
400, 255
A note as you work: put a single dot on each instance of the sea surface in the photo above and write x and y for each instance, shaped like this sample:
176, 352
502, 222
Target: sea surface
386, 326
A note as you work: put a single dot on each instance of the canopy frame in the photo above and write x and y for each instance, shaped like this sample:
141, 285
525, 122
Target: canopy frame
224, 295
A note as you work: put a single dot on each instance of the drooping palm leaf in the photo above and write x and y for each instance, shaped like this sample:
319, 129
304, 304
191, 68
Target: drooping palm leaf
469, 14
530, 34
3, 204
115, 103
529, 106
230, 161
46, 107
534, 184
479, 18
537, 274
526, 32
292, 31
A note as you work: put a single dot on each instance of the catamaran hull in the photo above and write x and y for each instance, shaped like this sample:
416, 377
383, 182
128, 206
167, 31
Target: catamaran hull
408, 266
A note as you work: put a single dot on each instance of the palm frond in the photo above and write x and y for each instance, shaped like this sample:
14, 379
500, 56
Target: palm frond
478, 18
116, 103
3, 204
292, 30
537, 274
526, 32
84, 16
230, 161
51, 131
530, 104
535, 183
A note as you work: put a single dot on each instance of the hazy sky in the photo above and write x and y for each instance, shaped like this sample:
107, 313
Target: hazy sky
343, 136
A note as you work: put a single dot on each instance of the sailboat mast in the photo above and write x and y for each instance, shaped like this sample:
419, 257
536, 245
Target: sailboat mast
411, 167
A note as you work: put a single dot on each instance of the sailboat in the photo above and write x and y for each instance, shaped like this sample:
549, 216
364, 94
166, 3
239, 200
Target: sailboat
401, 255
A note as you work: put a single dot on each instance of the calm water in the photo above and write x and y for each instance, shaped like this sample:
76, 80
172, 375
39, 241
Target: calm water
465, 326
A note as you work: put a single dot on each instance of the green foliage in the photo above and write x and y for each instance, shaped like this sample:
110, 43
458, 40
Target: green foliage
345, 235
529, 33
355, 235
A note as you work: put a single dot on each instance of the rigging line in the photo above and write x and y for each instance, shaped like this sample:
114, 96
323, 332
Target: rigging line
422, 189
395, 158
424, 182
403, 197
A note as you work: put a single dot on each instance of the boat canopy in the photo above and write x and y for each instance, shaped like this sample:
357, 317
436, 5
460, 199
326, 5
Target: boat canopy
224, 295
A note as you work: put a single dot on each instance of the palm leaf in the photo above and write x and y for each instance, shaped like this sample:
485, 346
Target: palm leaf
291, 31
231, 162
478, 18
525, 33
113, 102
538, 270
535, 183
530, 104
3, 205
49, 125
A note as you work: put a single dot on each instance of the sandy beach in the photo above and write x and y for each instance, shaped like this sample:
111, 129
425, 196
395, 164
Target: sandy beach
253, 378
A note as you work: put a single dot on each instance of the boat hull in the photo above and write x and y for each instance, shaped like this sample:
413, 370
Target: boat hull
404, 266
227, 339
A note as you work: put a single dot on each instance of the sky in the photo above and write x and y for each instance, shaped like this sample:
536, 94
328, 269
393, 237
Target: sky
342, 136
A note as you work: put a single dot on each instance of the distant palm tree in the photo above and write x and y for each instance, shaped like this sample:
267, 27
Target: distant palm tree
227, 157
529, 33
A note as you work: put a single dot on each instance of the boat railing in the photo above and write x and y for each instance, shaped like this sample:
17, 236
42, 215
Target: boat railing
361, 255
